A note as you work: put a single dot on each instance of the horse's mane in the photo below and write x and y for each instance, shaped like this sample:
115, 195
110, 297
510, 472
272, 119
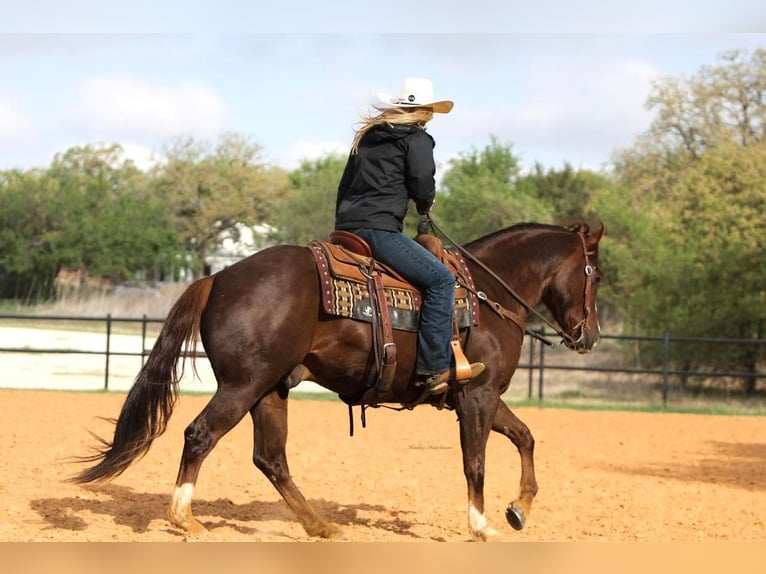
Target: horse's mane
529, 225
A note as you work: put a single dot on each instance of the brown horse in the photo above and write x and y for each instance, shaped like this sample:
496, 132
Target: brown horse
263, 328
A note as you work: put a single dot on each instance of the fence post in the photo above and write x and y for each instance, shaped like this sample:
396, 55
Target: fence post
665, 367
108, 347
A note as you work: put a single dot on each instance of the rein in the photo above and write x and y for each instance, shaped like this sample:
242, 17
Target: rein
505, 313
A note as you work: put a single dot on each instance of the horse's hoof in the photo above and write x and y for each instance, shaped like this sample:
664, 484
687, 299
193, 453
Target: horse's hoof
515, 516
186, 523
327, 530
334, 533
487, 535
195, 527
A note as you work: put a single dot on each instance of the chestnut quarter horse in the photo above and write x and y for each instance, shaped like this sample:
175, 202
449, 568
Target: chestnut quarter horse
262, 327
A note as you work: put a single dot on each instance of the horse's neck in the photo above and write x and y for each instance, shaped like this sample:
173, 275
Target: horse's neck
522, 260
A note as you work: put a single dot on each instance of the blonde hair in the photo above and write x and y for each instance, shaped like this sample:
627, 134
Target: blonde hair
419, 116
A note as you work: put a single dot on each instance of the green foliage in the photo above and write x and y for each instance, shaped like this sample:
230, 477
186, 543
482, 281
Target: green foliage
94, 211
688, 235
211, 192
27, 222
569, 191
722, 103
479, 194
90, 210
309, 211
112, 225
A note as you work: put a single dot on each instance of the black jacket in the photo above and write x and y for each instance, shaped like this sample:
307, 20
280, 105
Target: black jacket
393, 165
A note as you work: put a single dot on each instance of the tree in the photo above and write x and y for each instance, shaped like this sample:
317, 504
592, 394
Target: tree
309, 210
480, 193
90, 211
569, 191
722, 103
112, 226
693, 224
212, 193
27, 219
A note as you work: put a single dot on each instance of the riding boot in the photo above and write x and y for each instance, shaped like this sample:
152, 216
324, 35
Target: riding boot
439, 383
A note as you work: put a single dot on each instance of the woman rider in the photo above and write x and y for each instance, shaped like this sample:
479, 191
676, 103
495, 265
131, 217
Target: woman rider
391, 162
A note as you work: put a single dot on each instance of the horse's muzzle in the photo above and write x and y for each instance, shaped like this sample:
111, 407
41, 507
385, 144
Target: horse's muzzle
583, 339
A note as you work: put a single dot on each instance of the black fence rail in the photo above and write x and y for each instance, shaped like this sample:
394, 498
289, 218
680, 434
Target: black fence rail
542, 363
109, 324
661, 373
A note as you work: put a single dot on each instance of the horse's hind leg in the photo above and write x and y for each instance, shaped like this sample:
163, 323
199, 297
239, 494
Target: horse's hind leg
220, 415
508, 424
270, 427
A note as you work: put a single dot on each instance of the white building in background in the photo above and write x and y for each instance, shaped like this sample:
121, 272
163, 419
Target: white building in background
233, 248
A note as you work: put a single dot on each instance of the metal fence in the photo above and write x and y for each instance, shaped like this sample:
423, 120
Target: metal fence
618, 364
553, 372
88, 323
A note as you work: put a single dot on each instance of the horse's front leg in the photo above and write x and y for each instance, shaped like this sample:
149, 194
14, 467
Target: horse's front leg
475, 408
507, 424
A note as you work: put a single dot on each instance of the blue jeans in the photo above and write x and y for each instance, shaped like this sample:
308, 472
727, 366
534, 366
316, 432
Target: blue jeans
436, 284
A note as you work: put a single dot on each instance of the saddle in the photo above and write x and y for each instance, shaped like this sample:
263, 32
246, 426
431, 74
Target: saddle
355, 285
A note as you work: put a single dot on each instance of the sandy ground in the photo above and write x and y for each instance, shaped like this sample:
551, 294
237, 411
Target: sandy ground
604, 476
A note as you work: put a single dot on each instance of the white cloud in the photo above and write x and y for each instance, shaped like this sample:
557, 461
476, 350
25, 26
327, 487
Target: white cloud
567, 108
119, 105
308, 150
143, 157
595, 102
13, 125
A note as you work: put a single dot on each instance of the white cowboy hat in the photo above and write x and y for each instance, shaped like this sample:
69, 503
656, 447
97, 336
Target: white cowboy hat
417, 92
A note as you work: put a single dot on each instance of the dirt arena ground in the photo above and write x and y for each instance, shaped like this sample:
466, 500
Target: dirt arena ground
604, 476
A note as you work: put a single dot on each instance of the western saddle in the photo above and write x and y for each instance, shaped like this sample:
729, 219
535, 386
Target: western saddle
355, 285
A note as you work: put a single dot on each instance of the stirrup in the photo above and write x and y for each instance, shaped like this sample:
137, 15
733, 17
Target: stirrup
438, 384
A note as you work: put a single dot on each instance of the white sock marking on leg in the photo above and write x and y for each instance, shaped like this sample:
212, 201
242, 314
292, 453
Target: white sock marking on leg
477, 522
182, 497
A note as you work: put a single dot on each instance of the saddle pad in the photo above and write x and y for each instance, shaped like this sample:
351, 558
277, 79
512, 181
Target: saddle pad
345, 292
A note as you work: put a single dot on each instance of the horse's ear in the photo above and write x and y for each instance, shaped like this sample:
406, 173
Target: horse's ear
594, 236
575, 226
581, 227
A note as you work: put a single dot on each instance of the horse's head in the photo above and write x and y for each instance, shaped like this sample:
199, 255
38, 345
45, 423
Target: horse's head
571, 295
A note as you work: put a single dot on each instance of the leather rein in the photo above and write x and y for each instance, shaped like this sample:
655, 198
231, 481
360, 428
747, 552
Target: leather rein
515, 317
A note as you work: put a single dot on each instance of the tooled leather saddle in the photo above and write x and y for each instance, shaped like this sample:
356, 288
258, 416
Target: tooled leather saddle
356, 286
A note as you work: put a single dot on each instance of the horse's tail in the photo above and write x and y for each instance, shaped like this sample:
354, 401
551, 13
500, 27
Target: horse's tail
149, 404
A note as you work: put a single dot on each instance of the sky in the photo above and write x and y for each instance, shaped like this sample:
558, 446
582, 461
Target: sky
558, 84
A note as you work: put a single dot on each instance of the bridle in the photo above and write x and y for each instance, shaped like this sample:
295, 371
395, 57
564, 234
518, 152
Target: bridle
566, 338
589, 271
